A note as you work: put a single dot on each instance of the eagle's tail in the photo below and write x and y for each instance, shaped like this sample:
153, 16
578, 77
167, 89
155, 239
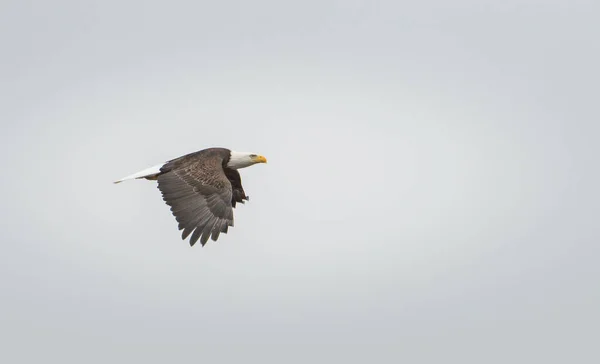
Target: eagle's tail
148, 173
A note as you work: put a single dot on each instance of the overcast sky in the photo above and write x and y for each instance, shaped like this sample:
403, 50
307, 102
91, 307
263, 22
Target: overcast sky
431, 193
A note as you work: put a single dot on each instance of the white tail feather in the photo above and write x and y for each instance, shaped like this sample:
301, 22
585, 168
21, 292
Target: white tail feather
141, 174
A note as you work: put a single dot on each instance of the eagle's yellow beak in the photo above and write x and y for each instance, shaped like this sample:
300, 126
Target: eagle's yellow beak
260, 159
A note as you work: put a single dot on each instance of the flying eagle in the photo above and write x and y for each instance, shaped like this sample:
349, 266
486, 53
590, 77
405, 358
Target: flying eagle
202, 189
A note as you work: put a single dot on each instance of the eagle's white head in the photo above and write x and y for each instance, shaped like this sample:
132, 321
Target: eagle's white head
239, 160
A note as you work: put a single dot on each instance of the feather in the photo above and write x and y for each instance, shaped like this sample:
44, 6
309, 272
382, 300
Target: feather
148, 172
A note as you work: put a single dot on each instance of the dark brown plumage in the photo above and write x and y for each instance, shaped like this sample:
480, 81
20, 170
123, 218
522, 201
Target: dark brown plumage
201, 192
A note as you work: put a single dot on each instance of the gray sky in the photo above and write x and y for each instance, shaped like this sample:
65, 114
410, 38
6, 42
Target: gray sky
431, 193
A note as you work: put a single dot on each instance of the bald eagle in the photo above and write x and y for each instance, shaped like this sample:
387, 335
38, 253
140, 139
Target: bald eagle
202, 188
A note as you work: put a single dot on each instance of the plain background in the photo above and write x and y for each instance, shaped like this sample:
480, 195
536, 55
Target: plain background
431, 193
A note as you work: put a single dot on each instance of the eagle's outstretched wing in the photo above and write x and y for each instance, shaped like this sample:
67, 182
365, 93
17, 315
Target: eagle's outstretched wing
199, 193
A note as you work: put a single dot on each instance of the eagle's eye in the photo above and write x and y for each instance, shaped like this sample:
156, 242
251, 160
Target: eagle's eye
252, 155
